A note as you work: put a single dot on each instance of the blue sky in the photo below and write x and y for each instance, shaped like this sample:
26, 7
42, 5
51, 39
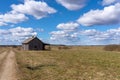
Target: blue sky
70, 22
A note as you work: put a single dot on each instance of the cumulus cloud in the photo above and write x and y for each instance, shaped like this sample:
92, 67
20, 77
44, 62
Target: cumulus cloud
63, 37
2, 23
15, 35
20, 12
66, 34
68, 26
90, 32
34, 8
12, 17
111, 35
109, 15
22, 32
72, 4
73, 35
109, 2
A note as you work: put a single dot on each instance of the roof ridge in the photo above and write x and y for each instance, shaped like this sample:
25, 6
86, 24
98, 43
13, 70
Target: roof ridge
29, 39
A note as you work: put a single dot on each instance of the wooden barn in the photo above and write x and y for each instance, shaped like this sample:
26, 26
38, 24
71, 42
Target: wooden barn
33, 43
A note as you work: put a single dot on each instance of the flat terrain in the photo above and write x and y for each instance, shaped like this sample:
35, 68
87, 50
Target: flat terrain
8, 69
75, 63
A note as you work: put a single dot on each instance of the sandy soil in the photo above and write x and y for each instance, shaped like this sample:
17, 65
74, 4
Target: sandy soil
2, 56
8, 68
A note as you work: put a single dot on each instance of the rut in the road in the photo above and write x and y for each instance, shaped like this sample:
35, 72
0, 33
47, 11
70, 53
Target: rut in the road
2, 57
8, 68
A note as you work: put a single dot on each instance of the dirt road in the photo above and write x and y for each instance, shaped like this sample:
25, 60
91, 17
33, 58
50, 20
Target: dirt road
8, 67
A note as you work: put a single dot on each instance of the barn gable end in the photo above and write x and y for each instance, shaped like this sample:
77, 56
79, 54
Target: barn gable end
33, 44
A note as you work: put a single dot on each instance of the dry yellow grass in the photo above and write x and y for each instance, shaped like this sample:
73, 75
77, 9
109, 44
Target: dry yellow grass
77, 63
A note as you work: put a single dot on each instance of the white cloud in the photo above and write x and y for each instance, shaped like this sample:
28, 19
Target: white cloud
109, 2
89, 32
37, 9
22, 32
2, 23
12, 17
109, 15
20, 12
63, 37
15, 35
68, 26
111, 35
72, 4
75, 36
66, 34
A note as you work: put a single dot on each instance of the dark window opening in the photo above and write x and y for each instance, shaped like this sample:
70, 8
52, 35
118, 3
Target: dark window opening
35, 47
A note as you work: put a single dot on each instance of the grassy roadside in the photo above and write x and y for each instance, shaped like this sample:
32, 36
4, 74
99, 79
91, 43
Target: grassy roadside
82, 63
2, 50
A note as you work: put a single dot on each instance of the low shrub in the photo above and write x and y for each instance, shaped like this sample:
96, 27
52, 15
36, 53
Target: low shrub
112, 48
63, 47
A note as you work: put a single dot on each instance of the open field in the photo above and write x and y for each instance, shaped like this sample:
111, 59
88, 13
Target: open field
76, 63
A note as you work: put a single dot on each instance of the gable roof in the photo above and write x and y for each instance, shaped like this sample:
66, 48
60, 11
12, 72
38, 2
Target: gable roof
29, 39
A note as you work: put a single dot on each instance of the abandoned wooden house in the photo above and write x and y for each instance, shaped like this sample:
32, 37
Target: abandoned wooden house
33, 43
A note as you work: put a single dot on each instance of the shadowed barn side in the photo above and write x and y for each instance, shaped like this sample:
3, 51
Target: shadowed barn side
33, 43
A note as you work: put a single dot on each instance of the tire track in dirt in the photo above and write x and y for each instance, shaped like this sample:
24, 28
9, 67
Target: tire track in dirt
9, 68
2, 57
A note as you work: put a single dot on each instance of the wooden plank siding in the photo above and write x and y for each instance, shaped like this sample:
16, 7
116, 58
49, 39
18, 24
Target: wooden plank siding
33, 44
